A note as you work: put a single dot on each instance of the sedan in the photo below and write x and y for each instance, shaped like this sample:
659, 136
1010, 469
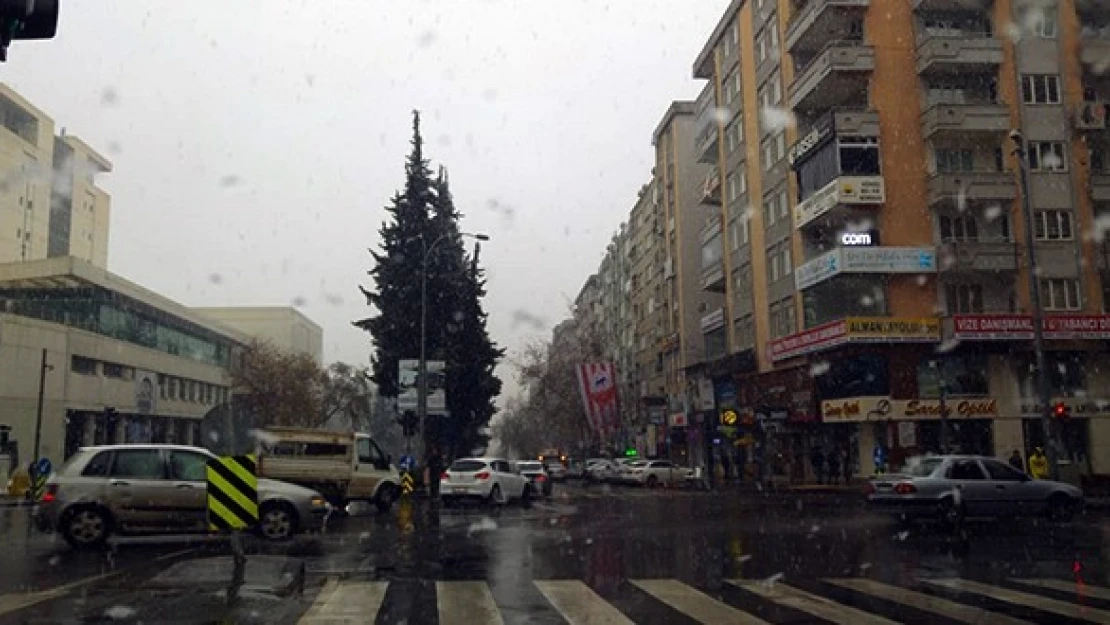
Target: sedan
600, 471
537, 477
492, 480
156, 489
556, 471
951, 488
653, 473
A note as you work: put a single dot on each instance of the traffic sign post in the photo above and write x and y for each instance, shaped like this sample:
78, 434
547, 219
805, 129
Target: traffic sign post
232, 494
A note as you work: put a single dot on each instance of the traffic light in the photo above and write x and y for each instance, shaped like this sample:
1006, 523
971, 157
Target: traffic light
26, 19
1061, 411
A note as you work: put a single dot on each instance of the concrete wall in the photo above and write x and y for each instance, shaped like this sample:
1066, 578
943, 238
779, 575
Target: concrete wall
21, 343
284, 326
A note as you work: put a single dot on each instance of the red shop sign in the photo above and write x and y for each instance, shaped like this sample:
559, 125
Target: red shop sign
1020, 327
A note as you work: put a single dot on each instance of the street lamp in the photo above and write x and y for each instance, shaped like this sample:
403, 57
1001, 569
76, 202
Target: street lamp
43, 368
422, 391
1044, 391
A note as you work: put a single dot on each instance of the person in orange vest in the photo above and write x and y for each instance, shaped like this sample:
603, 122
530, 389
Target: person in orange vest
1038, 464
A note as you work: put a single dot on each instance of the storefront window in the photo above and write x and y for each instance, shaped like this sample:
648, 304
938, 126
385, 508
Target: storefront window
716, 343
1067, 376
860, 376
845, 296
963, 374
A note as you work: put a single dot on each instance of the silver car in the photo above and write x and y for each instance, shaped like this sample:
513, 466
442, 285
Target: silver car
156, 489
950, 488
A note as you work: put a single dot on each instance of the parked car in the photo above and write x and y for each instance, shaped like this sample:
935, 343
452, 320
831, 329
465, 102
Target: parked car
950, 488
493, 480
576, 469
537, 477
601, 470
344, 466
156, 489
556, 471
652, 473
626, 472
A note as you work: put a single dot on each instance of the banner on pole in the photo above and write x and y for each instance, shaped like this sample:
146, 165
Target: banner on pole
597, 384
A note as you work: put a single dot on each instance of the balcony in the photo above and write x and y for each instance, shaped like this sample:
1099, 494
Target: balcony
708, 141
976, 53
713, 277
711, 188
836, 77
977, 256
1100, 186
841, 191
974, 186
813, 25
1090, 116
860, 123
957, 120
1094, 54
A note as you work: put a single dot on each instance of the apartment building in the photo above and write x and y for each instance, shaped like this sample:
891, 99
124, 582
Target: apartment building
50, 204
870, 198
648, 259
615, 284
283, 326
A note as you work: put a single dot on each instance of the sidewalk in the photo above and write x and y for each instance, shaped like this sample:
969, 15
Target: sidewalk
8, 501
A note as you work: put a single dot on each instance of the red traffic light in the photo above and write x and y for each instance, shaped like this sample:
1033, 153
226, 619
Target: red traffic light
1060, 411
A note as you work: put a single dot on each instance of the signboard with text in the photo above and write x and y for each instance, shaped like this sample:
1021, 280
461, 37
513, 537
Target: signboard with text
865, 259
856, 330
855, 409
1020, 327
842, 190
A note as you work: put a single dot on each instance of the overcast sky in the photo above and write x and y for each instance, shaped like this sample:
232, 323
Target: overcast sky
256, 142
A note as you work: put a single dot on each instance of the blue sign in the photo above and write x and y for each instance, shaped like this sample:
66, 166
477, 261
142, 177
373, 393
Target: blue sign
43, 467
406, 463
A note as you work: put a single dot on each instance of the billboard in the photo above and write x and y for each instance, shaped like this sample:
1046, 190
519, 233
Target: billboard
408, 385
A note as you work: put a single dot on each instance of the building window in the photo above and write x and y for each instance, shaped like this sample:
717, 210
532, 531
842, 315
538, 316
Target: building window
951, 161
1060, 294
964, 298
767, 41
744, 329
770, 94
731, 88
774, 149
1047, 156
112, 370
1052, 225
1040, 89
773, 269
783, 321
958, 228
734, 134
84, 366
1044, 21
735, 184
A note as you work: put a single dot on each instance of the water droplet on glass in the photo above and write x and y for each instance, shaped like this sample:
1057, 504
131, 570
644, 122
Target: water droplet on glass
775, 119
299, 301
426, 38
230, 180
215, 278
819, 368
109, 96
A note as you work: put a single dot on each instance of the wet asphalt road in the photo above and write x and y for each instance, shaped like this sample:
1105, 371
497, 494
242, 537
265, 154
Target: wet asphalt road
593, 554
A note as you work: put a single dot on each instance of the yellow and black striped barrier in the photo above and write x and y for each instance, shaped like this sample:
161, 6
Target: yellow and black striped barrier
232, 493
408, 484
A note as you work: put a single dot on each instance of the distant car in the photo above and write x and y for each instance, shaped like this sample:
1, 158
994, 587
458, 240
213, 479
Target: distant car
652, 473
576, 469
950, 488
156, 489
627, 471
492, 480
556, 471
601, 470
537, 477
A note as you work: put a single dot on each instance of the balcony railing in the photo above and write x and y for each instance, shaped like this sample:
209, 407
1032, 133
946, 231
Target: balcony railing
843, 57
978, 256
811, 24
711, 188
963, 186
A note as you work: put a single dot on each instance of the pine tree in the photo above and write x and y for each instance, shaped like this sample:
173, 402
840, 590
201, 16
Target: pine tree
422, 220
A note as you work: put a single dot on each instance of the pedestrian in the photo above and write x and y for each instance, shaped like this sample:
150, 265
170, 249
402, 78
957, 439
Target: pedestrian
878, 455
1038, 464
817, 459
1016, 461
834, 466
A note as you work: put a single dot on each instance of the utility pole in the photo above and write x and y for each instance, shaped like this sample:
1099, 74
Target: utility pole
1044, 394
43, 368
942, 386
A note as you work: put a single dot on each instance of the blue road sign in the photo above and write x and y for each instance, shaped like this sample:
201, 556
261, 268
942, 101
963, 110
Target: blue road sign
43, 467
407, 462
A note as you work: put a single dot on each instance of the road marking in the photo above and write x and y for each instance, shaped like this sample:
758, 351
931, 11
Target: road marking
1044, 604
345, 602
1079, 589
798, 599
928, 603
466, 603
694, 603
17, 601
173, 554
580, 605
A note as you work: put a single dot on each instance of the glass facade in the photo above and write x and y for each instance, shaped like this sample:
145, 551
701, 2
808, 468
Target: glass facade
114, 315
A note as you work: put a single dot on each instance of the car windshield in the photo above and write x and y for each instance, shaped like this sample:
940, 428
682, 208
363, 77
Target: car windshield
467, 466
922, 466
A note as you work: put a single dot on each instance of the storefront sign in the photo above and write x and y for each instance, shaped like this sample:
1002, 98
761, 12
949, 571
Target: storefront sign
865, 259
858, 330
856, 238
679, 420
842, 190
1020, 327
856, 409
814, 138
1078, 407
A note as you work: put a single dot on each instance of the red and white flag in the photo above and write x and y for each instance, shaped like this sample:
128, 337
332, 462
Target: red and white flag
598, 384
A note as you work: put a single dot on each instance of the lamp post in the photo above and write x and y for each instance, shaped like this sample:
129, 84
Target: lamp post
942, 395
43, 368
1044, 391
422, 389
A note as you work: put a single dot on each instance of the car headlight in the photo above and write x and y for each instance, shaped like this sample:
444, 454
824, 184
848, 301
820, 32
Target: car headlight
319, 502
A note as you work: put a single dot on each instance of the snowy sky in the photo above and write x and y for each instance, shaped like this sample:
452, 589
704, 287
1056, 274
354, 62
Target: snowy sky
255, 142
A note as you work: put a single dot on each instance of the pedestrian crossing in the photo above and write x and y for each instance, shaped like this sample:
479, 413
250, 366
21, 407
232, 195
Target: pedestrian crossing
844, 601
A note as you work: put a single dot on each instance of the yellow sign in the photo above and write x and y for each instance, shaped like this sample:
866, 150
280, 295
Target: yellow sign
407, 483
232, 483
729, 417
893, 328
883, 409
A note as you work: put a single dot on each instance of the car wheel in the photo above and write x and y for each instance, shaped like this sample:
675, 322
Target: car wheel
652, 481
949, 513
496, 496
277, 521
86, 527
386, 496
1061, 508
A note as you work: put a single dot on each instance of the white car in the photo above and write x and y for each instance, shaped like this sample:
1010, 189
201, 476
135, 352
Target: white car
556, 470
601, 471
495, 480
652, 473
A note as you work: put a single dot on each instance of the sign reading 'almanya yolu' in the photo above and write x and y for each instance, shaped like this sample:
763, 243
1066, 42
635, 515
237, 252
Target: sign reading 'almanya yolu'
857, 330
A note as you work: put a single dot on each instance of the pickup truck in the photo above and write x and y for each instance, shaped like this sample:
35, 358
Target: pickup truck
342, 466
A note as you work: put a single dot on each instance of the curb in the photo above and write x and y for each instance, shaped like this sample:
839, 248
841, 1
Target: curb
15, 502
